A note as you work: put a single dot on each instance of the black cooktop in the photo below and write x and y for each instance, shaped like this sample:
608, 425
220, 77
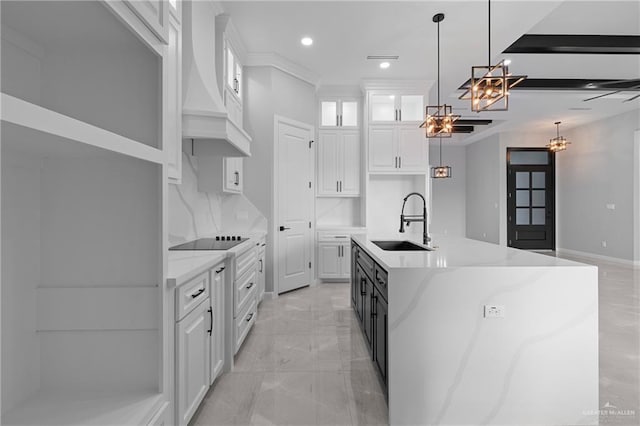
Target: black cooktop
217, 243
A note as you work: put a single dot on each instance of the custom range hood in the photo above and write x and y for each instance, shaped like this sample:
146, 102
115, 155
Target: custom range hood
205, 120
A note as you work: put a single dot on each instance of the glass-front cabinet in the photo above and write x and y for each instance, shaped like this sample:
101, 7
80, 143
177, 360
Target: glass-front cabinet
390, 107
339, 113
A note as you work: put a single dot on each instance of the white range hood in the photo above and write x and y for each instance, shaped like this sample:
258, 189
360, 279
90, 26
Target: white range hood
204, 117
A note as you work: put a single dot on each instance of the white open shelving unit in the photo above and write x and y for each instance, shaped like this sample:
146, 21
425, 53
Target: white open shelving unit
84, 338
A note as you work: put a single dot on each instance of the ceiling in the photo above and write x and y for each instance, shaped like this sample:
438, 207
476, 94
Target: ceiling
346, 32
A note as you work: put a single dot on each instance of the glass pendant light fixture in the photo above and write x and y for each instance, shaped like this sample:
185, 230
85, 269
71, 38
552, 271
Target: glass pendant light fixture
441, 171
559, 143
490, 84
439, 118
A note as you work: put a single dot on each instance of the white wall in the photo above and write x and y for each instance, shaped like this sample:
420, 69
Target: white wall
386, 194
598, 169
482, 186
270, 92
21, 189
448, 196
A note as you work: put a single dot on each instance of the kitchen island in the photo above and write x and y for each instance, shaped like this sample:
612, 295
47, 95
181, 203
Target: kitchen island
477, 333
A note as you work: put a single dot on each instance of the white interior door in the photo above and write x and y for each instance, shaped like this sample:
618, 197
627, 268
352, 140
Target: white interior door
295, 205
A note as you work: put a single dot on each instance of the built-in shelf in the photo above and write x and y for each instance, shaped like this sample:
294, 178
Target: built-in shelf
35, 117
85, 409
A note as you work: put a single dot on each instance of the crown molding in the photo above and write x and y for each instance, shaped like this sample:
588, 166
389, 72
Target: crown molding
283, 64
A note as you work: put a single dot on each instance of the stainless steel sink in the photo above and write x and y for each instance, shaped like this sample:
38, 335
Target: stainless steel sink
400, 246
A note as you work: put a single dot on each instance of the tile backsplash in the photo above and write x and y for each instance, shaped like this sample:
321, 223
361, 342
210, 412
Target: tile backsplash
194, 214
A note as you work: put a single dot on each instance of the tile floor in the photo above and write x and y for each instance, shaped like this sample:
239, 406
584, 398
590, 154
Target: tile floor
305, 362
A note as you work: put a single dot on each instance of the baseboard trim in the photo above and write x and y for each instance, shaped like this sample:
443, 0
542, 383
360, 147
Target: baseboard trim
591, 256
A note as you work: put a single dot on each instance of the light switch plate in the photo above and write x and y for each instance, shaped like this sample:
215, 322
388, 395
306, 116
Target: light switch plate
494, 311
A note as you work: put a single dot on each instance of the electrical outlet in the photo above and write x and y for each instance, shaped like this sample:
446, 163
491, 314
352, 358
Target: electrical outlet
604, 244
611, 206
493, 311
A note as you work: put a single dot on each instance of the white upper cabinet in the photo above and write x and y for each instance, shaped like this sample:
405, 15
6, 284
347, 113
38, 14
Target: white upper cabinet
217, 174
397, 149
233, 89
339, 163
339, 113
390, 107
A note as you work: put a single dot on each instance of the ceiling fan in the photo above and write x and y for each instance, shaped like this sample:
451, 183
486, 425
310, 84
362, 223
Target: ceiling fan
617, 86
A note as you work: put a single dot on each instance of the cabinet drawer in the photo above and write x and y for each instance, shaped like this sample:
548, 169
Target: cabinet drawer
365, 262
190, 294
244, 322
245, 288
380, 280
245, 261
337, 237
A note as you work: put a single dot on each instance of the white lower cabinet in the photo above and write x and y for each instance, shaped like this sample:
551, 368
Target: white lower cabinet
334, 257
200, 337
245, 285
217, 327
262, 244
192, 365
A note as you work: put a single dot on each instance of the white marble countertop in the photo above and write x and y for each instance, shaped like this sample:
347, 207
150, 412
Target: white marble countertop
453, 252
187, 264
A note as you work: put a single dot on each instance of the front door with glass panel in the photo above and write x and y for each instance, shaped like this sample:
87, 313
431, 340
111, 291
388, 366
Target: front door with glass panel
531, 198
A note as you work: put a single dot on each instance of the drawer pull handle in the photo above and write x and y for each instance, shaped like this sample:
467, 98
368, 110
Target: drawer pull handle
210, 310
264, 244
198, 293
249, 317
249, 286
220, 270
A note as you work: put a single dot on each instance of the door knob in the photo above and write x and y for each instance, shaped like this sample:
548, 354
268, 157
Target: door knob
282, 228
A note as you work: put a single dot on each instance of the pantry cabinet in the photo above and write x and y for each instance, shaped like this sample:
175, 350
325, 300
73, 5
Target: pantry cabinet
339, 163
397, 149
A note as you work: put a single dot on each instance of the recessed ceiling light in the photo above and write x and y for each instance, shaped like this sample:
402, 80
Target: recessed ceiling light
384, 65
306, 41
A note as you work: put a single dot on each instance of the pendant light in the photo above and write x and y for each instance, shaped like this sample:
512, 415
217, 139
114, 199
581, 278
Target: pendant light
559, 143
490, 84
441, 171
439, 118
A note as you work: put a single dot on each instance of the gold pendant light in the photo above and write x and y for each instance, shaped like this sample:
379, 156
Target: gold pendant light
490, 84
441, 171
439, 118
559, 143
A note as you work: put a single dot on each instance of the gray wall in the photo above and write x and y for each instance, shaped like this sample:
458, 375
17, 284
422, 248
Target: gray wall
448, 207
483, 190
270, 92
598, 169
